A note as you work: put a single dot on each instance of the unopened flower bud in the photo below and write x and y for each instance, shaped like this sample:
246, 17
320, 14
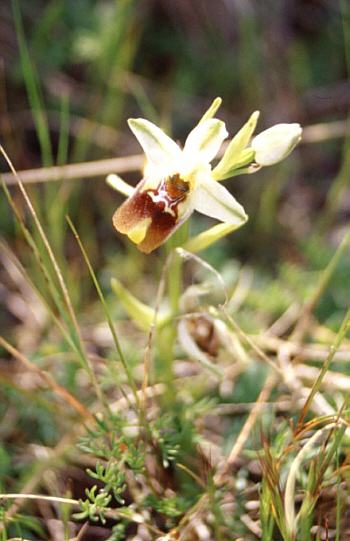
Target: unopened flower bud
274, 144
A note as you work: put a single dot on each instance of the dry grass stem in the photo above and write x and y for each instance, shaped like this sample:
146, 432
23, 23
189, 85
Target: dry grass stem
99, 168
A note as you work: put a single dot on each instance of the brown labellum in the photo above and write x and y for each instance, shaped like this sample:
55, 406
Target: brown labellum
158, 206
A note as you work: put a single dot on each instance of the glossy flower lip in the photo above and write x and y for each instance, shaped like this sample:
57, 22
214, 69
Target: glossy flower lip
176, 183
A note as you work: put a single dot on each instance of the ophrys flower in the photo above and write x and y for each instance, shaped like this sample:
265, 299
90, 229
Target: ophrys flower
177, 182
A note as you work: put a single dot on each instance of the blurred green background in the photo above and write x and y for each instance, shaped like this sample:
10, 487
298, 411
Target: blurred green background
105, 61
71, 73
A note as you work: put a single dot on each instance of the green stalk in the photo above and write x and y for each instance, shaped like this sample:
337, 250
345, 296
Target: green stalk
174, 283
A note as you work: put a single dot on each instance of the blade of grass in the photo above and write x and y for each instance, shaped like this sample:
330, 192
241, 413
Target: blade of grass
136, 88
322, 466
317, 469
337, 516
338, 339
108, 315
120, 44
260, 353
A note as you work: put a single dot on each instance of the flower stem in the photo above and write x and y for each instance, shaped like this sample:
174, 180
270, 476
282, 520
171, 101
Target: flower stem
174, 283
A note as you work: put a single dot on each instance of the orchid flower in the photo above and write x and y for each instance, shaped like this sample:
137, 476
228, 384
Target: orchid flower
178, 181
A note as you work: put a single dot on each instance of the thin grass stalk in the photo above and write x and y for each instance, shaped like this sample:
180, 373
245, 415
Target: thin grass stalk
77, 171
45, 241
174, 290
51, 14
109, 318
129, 23
322, 466
338, 339
292, 521
70, 337
173, 266
147, 358
267, 518
137, 90
261, 354
36, 103
337, 516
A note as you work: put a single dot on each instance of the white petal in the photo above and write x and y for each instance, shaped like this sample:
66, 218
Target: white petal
212, 199
204, 141
161, 151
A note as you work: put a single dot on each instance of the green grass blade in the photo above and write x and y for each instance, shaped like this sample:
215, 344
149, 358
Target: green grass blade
108, 315
338, 339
